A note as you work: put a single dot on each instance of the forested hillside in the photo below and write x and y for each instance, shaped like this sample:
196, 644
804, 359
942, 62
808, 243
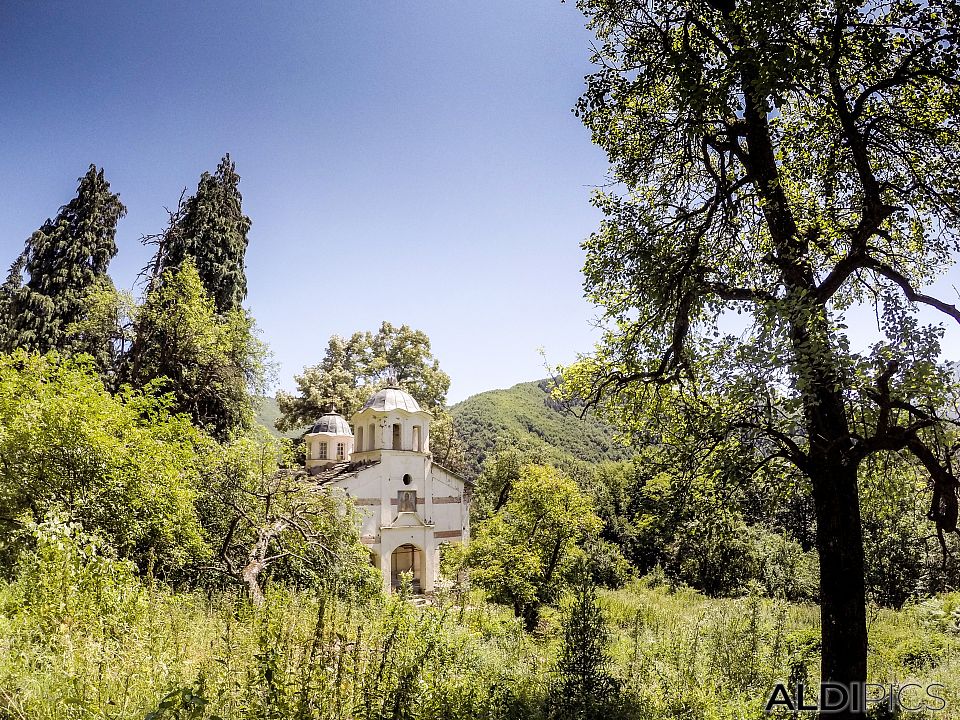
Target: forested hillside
267, 414
524, 417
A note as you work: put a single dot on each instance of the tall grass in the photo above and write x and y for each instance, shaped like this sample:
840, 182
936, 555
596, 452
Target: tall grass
81, 637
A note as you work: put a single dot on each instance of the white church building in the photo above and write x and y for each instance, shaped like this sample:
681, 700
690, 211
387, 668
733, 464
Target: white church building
410, 504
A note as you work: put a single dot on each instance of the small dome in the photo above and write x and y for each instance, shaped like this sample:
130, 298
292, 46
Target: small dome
331, 423
392, 398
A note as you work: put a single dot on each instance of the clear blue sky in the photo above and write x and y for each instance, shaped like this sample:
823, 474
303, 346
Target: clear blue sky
406, 160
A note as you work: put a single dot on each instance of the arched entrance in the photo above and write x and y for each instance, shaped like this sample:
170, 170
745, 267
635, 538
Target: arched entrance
407, 558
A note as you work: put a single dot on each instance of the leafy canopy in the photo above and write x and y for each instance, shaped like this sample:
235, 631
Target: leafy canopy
523, 554
354, 368
785, 161
210, 363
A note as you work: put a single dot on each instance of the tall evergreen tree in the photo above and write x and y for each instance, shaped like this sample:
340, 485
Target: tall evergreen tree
211, 229
64, 261
583, 687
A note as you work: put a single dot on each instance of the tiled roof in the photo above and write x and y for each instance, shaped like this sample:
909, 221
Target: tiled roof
339, 471
331, 423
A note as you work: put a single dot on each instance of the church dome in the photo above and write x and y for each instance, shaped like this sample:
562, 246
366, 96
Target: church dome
392, 398
331, 423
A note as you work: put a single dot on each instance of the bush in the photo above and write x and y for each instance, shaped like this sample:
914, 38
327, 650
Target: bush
784, 570
68, 583
121, 466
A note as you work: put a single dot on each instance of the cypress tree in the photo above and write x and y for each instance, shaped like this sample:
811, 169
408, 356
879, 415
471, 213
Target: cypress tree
583, 688
64, 261
211, 229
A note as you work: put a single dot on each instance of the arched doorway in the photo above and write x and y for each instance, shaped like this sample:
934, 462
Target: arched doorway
407, 558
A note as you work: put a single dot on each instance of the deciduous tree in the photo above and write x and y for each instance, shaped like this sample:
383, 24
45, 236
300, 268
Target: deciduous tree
522, 555
211, 363
354, 368
783, 160
262, 517
122, 466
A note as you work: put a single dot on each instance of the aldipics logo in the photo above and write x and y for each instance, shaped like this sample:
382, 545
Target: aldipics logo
858, 697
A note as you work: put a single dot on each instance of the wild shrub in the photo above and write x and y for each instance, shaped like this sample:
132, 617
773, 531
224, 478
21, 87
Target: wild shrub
68, 583
121, 465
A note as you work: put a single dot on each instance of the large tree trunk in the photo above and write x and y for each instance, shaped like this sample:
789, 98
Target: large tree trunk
842, 594
832, 468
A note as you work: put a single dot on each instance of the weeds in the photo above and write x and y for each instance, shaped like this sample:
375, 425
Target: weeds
81, 638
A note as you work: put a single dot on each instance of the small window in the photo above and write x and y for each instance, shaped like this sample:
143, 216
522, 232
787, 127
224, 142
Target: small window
407, 479
321, 451
407, 500
396, 436
360, 438
341, 449
416, 439
372, 434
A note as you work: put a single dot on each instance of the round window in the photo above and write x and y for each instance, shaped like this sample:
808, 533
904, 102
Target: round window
407, 479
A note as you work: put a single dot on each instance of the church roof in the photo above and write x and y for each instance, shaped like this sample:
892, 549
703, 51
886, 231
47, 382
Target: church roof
339, 471
392, 398
458, 476
331, 423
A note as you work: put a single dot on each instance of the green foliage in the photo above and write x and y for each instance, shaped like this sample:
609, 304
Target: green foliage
264, 519
210, 230
445, 443
65, 260
121, 466
104, 330
354, 368
187, 703
783, 161
526, 418
693, 525
211, 363
498, 475
523, 554
307, 656
583, 687
67, 580
267, 416
903, 558
783, 568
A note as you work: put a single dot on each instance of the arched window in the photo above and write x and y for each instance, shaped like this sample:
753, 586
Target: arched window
396, 437
360, 438
416, 439
372, 433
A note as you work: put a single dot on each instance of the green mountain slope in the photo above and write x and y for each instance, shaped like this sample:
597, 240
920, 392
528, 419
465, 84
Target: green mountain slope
267, 414
525, 417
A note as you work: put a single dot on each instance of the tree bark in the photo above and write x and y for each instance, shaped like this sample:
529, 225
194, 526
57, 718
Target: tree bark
257, 560
832, 468
842, 595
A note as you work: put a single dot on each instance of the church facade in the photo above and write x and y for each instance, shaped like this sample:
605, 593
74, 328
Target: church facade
411, 506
